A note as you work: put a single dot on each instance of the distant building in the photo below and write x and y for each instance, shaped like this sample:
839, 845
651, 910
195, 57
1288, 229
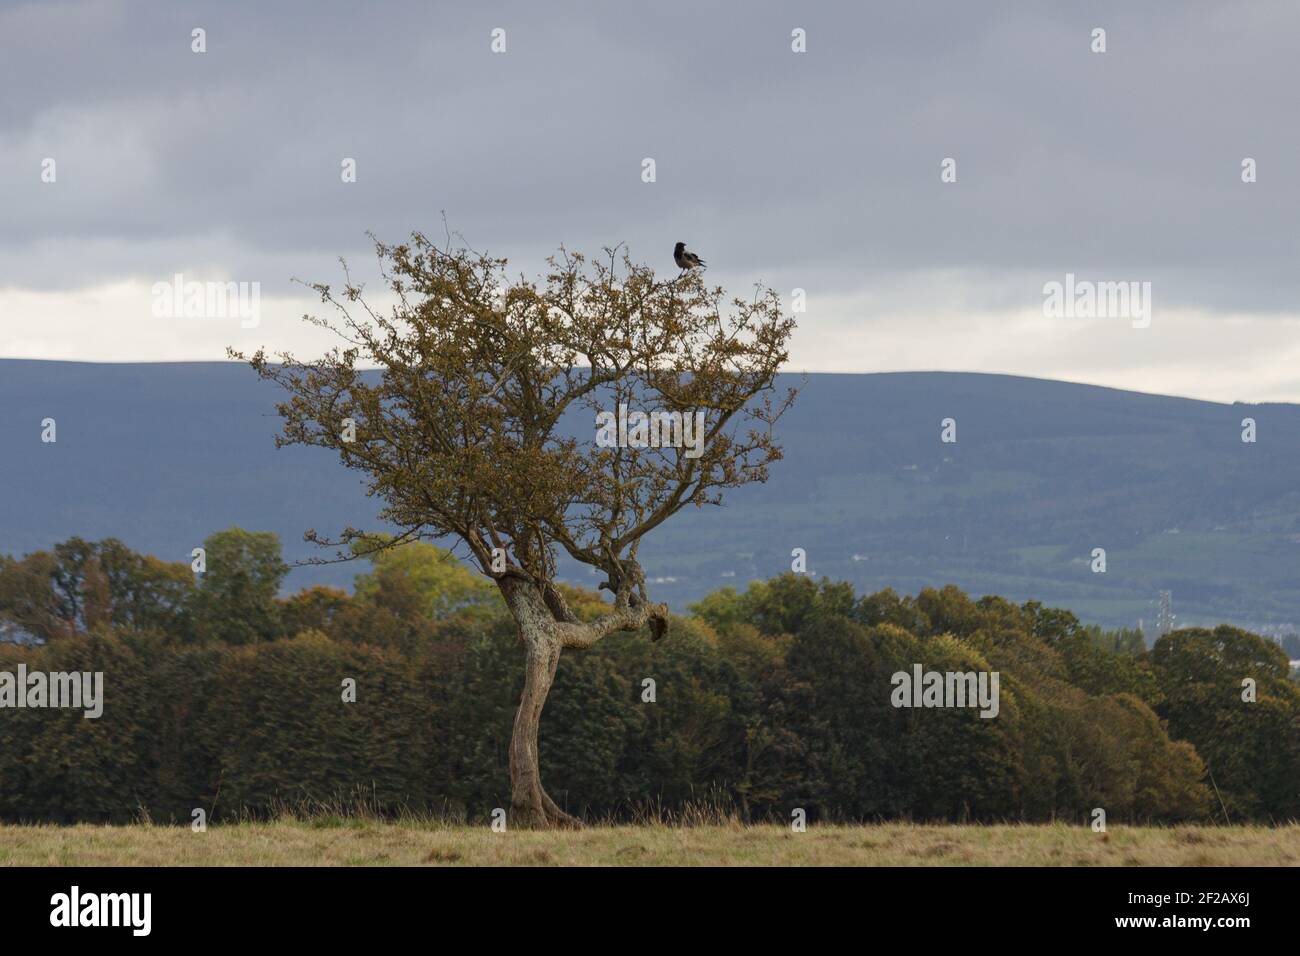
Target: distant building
1165, 617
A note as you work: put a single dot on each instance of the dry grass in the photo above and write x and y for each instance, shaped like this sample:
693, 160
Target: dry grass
415, 843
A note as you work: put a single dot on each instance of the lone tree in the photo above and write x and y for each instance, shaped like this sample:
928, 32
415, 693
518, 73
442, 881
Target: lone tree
476, 422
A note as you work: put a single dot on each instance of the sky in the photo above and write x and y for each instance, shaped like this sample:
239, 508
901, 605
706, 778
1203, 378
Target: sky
822, 170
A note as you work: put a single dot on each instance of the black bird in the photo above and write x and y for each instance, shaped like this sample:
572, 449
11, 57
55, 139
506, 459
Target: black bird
684, 259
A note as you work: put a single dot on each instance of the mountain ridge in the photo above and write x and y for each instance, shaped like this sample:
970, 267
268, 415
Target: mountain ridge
1042, 472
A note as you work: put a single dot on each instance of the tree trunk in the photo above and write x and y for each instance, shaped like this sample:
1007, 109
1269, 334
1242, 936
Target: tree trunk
543, 638
530, 806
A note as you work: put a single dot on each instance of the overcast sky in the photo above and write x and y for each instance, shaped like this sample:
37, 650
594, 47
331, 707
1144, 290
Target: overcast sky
818, 170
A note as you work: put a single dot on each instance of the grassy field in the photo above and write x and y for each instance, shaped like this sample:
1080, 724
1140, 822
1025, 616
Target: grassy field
369, 843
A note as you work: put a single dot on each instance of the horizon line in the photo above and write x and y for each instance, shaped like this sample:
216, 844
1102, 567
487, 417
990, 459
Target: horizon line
784, 371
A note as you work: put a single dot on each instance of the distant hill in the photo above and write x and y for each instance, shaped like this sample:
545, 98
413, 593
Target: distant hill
161, 455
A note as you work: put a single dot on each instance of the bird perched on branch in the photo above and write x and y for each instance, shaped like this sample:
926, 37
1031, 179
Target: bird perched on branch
684, 259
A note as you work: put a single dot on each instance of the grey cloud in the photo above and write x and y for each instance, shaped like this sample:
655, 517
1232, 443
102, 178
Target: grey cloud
824, 164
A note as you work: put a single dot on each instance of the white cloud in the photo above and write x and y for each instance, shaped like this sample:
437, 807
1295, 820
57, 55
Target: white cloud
921, 322
943, 322
114, 322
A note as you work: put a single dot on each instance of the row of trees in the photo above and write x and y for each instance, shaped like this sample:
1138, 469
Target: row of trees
222, 695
